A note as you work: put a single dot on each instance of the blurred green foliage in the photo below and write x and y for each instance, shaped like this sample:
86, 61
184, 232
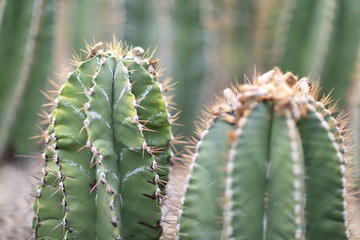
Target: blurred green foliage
205, 45
26, 27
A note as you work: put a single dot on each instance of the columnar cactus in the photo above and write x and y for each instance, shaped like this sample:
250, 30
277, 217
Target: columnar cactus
26, 26
269, 164
317, 37
140, 23
189, 55
106, 151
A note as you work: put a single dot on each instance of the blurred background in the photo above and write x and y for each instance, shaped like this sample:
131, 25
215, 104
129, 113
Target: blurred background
205, 45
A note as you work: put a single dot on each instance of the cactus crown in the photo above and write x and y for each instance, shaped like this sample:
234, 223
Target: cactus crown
270, 163
107, 150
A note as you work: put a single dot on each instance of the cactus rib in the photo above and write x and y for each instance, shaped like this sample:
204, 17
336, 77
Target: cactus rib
72, 172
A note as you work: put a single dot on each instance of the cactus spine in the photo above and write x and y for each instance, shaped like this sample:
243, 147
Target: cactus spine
106, 151
270, 164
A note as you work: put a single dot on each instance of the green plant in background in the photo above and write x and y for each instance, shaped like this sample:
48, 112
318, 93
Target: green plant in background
26, 36
188, 62
316, 37
107, 150
320, 38
236, 34
84, 21
140, 27
270, 163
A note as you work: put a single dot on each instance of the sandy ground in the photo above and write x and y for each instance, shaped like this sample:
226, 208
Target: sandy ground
16, 183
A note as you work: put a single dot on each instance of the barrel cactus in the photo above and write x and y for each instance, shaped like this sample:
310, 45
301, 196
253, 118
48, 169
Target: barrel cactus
269, 164
107, 150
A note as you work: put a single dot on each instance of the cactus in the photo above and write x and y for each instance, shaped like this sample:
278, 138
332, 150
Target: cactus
236, 33
26, 26
40, 70
316, 37
140, 27
188, 65
107, 148
270, 163
85, 17
342, 59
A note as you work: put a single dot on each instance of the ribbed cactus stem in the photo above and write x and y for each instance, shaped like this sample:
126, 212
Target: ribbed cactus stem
273, 156
107, 151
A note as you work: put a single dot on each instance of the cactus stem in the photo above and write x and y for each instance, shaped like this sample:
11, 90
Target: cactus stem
22, 80
338, 149
297, 109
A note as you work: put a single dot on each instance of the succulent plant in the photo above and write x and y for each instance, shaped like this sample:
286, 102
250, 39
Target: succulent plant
270, 163
107, 150
188, 66
140, 23
86, 18
316, 37
269, 154
26, 27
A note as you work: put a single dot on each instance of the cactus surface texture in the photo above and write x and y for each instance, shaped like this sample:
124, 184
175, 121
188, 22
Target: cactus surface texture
106, 151
269, 164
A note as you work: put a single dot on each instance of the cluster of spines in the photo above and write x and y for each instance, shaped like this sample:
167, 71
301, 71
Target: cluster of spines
159, 170
306, 102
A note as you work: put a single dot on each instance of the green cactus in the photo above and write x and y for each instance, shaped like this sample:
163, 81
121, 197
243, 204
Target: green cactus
270, 163
188, 65
39, 72
85, 18
140, 26
107, 149
236, 34
316, 37
26, 27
